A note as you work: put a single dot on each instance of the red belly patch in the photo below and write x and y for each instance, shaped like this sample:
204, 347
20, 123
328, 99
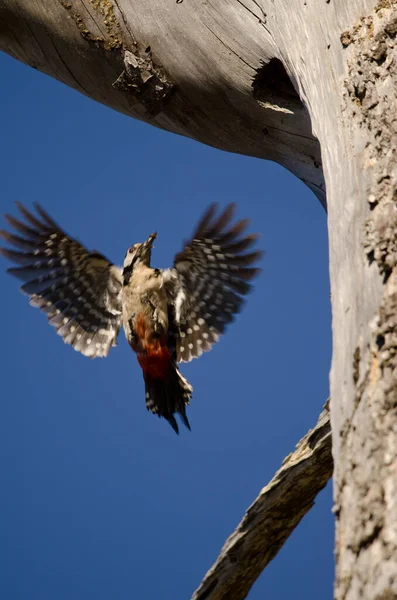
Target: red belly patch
153, 354
155, 361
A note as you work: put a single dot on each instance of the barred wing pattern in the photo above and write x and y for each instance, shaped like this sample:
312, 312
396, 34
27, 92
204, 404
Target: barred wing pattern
80, 291
208, 281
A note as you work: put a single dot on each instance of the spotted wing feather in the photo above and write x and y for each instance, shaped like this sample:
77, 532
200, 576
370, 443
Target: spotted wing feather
80, 291
208, 281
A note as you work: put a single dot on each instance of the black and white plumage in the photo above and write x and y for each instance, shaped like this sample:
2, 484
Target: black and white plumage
79, 290
168, 316
209, 278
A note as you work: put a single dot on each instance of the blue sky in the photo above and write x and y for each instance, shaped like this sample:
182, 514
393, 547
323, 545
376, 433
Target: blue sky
99, 499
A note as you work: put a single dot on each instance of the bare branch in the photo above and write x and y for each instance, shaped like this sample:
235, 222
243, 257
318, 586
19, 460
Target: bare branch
270, 520
209, 71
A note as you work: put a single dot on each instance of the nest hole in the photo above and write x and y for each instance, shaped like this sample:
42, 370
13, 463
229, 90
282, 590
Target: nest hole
272, 87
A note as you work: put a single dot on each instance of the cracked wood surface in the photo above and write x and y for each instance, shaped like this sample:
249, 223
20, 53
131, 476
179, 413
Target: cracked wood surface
272, 517
208, 55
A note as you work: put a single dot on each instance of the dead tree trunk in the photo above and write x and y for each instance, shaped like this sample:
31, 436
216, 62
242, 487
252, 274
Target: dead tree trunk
277, 79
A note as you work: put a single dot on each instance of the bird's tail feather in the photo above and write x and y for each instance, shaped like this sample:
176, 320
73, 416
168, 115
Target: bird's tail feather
165, 397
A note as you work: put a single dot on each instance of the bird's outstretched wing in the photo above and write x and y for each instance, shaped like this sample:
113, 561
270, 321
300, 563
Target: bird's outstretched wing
208, 280
79, 290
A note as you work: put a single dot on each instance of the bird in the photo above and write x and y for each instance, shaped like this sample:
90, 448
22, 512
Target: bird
169, 315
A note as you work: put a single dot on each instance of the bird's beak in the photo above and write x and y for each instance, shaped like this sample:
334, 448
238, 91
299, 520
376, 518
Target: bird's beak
150, 240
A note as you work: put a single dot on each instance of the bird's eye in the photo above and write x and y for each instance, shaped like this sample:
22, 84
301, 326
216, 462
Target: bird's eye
131, 250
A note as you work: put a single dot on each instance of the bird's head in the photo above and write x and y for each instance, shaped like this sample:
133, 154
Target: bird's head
139, 253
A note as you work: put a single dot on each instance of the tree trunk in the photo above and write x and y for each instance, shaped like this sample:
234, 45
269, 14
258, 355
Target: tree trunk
268, 79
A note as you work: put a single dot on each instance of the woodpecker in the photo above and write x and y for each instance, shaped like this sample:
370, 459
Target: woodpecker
168, 316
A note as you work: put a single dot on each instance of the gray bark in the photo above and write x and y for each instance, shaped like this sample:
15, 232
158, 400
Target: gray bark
187, 67
277, 79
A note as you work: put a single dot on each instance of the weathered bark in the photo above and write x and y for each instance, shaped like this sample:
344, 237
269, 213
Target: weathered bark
187, 67
266, 78
272, 517
365, 424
